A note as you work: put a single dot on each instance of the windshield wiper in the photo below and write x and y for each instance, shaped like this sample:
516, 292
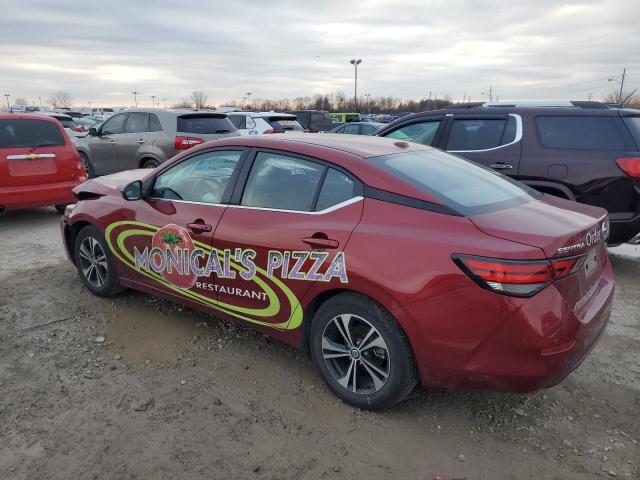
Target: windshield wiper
38, 145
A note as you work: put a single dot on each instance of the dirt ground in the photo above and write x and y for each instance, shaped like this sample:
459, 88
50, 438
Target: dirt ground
139, 388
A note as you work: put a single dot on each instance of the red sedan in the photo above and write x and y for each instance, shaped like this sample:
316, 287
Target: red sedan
388, 262
39, 165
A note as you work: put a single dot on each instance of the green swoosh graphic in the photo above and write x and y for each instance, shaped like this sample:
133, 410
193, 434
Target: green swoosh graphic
293, 322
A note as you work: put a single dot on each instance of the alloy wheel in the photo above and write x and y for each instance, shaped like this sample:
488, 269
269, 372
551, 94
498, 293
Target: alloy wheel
93, 262
355, 354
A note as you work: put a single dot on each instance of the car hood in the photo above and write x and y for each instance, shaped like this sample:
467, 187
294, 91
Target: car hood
110, 184
558, 227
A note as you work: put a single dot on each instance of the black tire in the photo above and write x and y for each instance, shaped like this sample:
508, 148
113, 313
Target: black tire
87, 165
395, 359
150, 163
60, 208
102, 280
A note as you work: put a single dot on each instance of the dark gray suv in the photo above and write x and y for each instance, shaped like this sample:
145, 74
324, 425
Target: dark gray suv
583, 151
144, 138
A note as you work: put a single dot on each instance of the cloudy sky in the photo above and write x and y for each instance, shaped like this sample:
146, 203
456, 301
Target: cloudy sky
102, 51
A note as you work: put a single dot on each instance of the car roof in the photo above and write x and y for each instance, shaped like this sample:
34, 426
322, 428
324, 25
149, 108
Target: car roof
577, 111
264, 114
57, 115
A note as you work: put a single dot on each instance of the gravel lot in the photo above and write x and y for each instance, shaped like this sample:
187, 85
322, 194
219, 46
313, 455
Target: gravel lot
140, 388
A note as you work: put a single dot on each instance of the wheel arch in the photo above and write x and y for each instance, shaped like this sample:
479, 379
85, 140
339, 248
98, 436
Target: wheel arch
552, 188
71, 233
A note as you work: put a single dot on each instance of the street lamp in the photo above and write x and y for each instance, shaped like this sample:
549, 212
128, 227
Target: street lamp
355, 63
164, 102
135, 94
153, 101
248, 98
621, 83
7, 95
367, 95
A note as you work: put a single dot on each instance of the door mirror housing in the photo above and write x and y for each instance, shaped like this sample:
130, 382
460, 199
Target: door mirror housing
132, 191
93, 131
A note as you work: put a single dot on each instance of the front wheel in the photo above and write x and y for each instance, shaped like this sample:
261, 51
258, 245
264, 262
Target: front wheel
95, 263
361, 352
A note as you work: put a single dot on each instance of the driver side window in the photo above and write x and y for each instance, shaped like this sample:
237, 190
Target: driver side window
202, 178
114, 125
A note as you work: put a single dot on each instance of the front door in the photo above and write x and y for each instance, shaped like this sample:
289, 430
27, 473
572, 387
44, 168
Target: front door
103, 148
287, 229
165, 243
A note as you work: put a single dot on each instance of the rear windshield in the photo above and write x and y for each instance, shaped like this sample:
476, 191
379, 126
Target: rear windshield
67, 122
205, 124
634, 125
463, 186
584, 133
285, 123
29, 133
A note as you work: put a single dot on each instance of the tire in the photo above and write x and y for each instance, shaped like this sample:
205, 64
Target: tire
87, 165
386, 349
150, 163
102, 279
60, 208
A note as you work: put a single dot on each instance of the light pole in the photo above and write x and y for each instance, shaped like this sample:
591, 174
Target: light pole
621, 83
248, 94
367, 95
164, 102
135, 94
355, 63
7, 95
40, 101
153, 101
490, 94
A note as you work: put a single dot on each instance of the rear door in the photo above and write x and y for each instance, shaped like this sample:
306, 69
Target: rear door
490, 140
285, 230
33, 152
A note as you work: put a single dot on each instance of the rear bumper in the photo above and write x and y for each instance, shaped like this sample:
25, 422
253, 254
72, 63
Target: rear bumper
481, 340
35, 196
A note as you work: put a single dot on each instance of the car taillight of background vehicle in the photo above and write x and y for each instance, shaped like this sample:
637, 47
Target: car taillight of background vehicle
79, 129
630, 166
516, 278
183, 143
274, 131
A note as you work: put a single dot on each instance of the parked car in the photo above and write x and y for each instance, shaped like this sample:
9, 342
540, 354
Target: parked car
345, 117
144, 138
388, 261
69, 123
257, 123
39, 165
314, 120
358, 128
579, 152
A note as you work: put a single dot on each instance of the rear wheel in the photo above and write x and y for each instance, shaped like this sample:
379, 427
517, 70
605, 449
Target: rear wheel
95, 263
361, 352
60, 208
150, 163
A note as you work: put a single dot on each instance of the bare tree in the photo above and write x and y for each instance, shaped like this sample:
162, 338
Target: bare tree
21, 101
199, 99
183, 103
60, 99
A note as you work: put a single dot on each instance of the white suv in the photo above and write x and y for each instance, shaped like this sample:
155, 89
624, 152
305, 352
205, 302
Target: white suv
256, 123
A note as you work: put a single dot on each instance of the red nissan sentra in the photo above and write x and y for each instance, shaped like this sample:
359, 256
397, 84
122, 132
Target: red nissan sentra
388, 262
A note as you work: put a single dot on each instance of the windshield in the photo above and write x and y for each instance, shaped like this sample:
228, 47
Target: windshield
285, 123
460, 184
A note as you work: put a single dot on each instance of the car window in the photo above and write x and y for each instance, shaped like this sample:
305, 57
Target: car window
634, 125
583, 133
238, 120
27, 133
337, 188
114, 125
423, 132
368, 130
201, 178
461, 185
154, 123
285, 123
480, 134
352, 129
67, 122
282, 182
137, 123
204, 124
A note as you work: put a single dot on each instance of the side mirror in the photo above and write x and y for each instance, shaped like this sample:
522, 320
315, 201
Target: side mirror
132, 191
93, 131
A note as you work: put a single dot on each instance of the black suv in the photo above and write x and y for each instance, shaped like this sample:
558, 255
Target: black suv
584, 151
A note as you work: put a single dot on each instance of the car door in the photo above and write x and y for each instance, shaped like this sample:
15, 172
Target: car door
490, 140
102, 147
134, 136
286, 228
170, 232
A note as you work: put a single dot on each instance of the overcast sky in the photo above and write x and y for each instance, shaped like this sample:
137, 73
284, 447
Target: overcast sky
102, 51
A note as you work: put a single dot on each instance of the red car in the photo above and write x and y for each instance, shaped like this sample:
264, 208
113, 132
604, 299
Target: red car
388, 262
39, 166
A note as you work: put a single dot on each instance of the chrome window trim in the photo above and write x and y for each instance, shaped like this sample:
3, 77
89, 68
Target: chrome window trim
516, 139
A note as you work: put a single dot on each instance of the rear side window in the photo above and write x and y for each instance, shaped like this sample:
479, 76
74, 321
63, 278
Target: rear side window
239, 121
137, 123
583, 133
459, 184
154, 124
634, 125
29, 133
423, 132
352, 129
280, 123
481, 134
204, 124
282, 182
337, 188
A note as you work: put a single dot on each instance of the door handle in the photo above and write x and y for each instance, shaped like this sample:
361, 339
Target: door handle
199, 227
112, 142
141, 141
321, 243
501, 166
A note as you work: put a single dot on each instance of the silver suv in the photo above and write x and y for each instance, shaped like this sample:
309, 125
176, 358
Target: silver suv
144, 138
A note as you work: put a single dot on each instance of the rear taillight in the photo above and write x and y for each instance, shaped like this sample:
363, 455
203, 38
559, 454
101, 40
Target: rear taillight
273, 131
79, 129
630, 166
519, 278
183, 143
